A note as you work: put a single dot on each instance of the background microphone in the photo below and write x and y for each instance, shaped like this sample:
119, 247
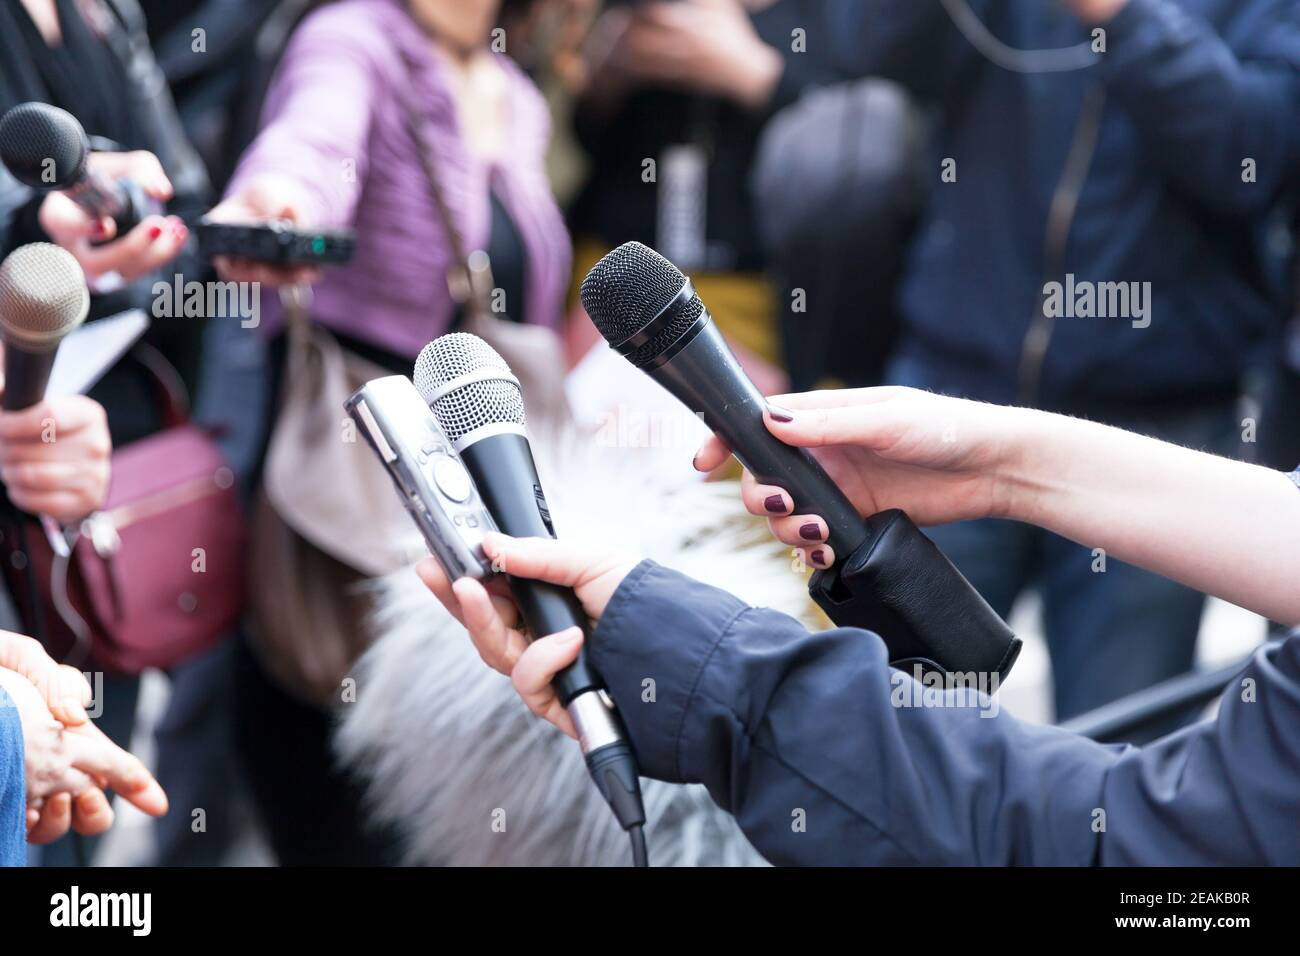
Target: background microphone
649, 312
480, 407
45, 148
43, 297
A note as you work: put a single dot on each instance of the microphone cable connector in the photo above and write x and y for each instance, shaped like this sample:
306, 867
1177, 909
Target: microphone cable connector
612, 765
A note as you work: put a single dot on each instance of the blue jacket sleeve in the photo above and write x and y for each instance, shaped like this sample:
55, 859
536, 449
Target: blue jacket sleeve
1226, 99
13, 794
826, 755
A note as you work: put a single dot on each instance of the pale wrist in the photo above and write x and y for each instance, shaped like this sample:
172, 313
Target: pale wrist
1031, 466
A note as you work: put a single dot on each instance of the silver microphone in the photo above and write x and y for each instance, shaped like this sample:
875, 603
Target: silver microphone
43, 297
480, 406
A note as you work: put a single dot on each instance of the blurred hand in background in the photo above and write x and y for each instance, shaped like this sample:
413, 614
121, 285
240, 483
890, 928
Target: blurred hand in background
54, 457
264, 199
708, 47
69, 762
154, 242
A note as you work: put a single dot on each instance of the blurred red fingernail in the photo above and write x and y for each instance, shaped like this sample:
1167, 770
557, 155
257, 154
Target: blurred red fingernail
155, 232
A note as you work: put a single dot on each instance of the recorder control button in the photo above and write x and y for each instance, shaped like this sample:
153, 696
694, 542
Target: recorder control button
453, 480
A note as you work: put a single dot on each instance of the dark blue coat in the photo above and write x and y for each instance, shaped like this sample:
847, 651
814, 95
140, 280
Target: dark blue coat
799, 736
1193, 90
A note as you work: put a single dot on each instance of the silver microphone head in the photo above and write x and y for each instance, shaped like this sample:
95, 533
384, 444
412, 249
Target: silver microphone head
43, 296
468, 386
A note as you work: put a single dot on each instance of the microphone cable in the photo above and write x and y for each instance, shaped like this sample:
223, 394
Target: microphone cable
640, 856
1060, 60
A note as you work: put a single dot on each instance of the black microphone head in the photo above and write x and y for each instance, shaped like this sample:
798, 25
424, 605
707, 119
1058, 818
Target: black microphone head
43, 146
468, 386
43, 296
627, 290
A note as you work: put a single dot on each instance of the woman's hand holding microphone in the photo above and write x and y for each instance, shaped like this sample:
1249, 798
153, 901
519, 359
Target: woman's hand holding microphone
95, 244
939, 459
494, 623
54, 457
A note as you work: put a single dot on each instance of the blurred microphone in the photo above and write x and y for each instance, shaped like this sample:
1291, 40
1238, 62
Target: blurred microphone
43, 297
480, 407
649, 312
46, 148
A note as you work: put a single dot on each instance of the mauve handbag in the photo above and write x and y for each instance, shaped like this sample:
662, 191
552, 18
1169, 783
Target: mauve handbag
154, 577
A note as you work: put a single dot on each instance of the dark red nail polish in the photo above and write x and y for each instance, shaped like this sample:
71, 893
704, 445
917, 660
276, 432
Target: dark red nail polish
775, 504
155, 232
811, 531
779, 414
818, 557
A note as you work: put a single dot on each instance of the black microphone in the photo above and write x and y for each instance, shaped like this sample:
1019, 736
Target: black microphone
43, 297
479, 404
45, 148
887, 576
649, 312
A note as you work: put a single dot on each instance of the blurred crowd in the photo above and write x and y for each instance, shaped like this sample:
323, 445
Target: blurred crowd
1085, 206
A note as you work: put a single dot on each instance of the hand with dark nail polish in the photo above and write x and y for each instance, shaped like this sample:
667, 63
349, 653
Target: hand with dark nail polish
818, 558
812, 531
775, 504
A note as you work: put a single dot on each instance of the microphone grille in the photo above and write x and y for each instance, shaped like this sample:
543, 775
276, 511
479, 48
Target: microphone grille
625, 291
43, 295
43, 146
486, 401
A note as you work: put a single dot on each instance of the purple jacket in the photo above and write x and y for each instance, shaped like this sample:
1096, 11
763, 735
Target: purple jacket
335, 125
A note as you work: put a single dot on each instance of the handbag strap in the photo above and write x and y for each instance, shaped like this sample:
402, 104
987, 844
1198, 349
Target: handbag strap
168, 384
461, 281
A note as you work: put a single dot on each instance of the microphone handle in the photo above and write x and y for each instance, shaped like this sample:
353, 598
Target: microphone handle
706, 377
503, 469
27, 372
100, 196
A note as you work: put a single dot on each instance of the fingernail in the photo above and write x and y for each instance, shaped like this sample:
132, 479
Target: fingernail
569, 636
819, 557
99, 228
695, 462
779, 414
775, 504
811, 531
155, 232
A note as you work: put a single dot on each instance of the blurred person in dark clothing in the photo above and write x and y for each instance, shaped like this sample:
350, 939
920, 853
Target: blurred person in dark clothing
690, 85
93, 60
211, 53
835, 243
1156, 169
